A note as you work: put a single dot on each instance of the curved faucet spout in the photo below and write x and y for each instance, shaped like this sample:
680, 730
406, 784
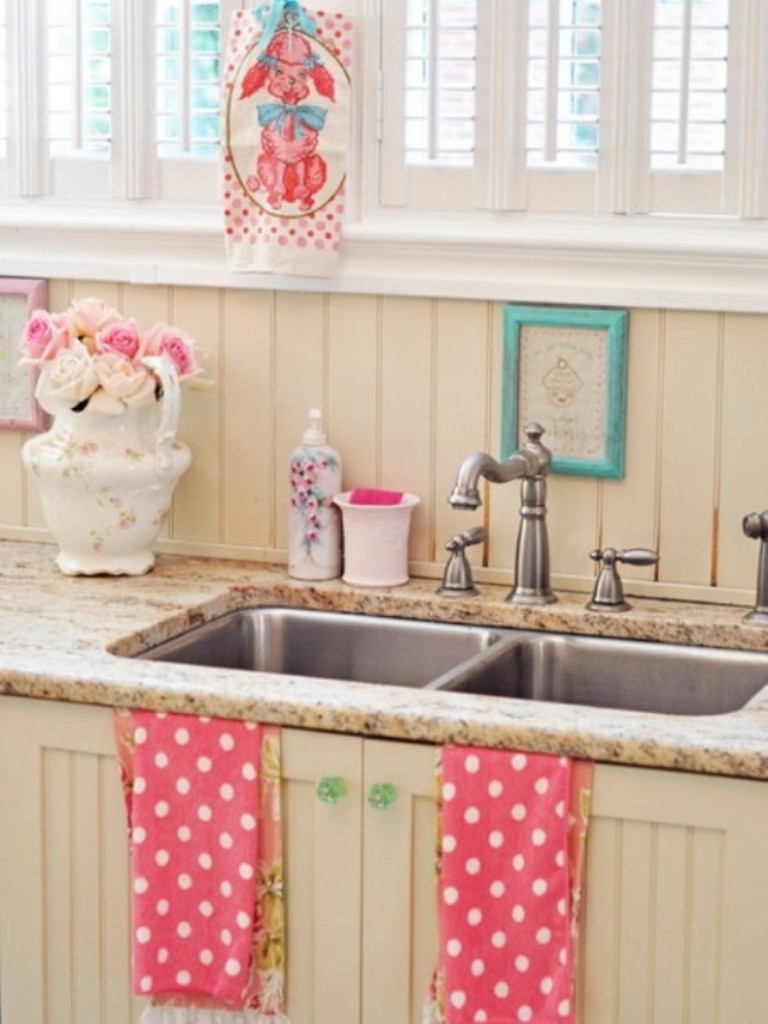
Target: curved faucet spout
466, 494
530, 464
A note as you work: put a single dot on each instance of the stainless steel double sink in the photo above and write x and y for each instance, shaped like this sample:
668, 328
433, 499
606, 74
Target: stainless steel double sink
626, 675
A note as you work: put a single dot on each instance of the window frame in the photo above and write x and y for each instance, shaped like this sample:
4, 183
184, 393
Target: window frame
604, 259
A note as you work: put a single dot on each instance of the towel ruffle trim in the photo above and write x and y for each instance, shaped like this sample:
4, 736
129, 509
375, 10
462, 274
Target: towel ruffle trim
430, 1013
197, 1015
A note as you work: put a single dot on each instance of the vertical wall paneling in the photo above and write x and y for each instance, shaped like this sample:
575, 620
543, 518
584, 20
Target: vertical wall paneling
409, 386
13, 491
407, 415
245, 389
744, 452
149, 304
300, 384
461, 412
501, 503
59, 295
573, 511
690, 403
629, 506
196, 513
354, 398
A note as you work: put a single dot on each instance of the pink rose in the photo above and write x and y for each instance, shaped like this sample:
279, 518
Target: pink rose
179, 347
122, 338
89, 316
44, 334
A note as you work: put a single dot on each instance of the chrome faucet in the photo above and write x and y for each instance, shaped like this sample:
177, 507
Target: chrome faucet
530, 465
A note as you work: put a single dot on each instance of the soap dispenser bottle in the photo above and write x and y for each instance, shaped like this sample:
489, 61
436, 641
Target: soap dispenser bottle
314, 542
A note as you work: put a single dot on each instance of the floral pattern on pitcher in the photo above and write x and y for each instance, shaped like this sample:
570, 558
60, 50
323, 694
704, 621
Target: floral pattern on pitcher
127, 518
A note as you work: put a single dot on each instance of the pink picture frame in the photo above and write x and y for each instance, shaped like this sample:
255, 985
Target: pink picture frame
18, 407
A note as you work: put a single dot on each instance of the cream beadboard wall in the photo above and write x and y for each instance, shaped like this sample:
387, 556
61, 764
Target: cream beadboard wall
409, 386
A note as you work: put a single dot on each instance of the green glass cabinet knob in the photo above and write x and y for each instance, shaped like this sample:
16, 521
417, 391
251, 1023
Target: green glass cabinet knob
382, 795
330, 789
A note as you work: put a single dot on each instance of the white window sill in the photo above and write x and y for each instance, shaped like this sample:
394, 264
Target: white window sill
675, 264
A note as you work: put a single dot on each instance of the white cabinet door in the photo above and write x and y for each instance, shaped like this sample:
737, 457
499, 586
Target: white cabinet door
360, 880
323, 877
677, 900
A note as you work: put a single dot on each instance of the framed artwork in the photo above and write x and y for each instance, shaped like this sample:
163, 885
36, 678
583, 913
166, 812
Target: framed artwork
566, 369
18, 408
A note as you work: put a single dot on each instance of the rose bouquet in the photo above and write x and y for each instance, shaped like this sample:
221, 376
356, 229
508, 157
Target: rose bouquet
92, 359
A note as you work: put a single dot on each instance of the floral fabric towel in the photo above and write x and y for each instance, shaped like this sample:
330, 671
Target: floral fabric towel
286, 104
203, 803
512, 834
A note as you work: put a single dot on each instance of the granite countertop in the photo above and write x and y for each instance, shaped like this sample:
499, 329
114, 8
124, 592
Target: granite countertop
59, 635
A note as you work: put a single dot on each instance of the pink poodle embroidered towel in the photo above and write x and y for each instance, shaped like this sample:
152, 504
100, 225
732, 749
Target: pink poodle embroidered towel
202, 796
286, 109
510, 864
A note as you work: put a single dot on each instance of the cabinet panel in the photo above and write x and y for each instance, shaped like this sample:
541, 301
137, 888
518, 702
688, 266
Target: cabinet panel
323, 865
64, 917
676, 921
399, 901
677, 899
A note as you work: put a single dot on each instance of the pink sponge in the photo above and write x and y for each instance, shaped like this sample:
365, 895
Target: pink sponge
374, 496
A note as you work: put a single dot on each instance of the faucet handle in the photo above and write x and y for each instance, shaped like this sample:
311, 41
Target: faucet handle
608, 595
474, 535
457, 578
630, 556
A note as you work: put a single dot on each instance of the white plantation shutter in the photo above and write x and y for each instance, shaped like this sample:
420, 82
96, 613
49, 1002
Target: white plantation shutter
110, 99
701, 88
5, 100
574, 106
4, 75
78, 96
188, 43
428, 102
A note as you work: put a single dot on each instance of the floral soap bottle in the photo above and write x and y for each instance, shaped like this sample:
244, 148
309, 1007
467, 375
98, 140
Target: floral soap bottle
314, 543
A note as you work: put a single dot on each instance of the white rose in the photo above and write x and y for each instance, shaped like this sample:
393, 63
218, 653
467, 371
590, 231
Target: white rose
120, 379
67, 380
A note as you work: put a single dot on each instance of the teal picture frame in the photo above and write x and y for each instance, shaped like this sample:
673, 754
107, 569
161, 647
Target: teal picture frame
567, 369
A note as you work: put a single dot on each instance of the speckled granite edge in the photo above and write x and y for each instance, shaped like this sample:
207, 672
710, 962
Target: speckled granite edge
59, 635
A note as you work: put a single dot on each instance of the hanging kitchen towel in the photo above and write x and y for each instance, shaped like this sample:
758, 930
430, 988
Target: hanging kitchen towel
285, 138
203, 803
512, 833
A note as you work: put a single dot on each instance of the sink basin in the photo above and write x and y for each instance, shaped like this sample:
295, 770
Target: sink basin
629, 675
330, 645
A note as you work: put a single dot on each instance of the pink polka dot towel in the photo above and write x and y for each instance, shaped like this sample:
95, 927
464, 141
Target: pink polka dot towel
203, 803
512, 832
